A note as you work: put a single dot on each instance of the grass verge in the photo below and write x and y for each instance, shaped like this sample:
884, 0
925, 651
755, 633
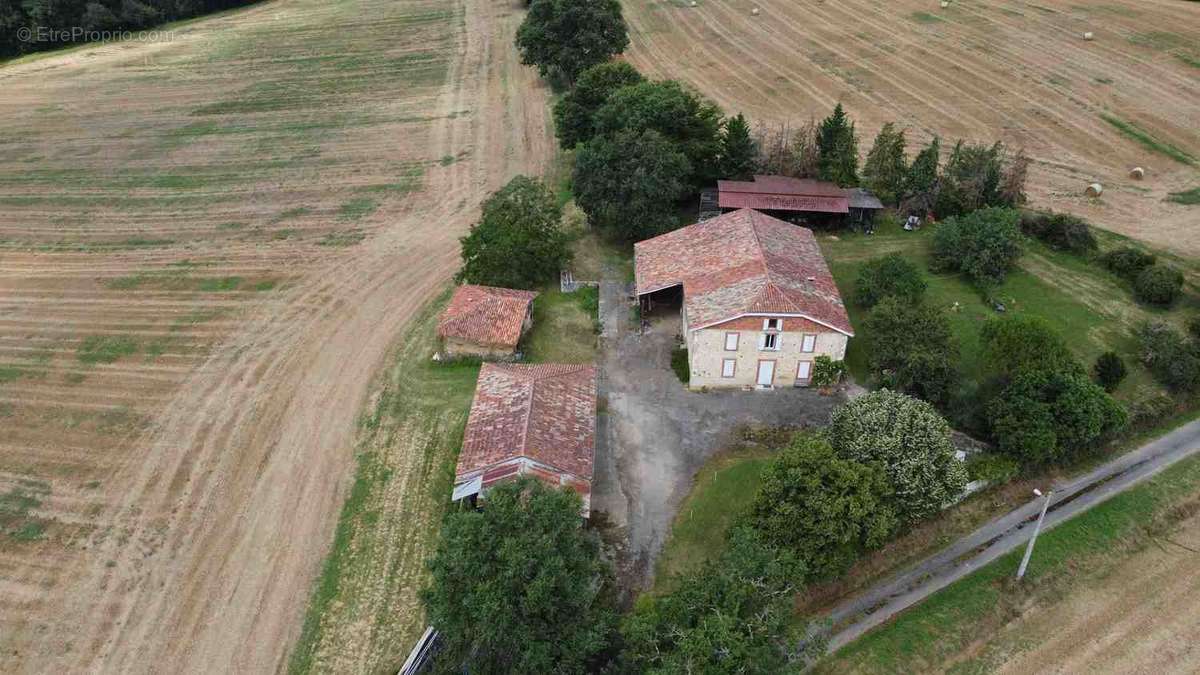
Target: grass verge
721, 491
565, 326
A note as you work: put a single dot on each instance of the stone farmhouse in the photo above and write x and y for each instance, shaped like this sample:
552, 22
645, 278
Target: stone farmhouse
757, 301
534, 420
485, 321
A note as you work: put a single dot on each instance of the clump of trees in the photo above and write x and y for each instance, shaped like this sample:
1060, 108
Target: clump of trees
1173, 358
824, 509
888, 276
562, 38
910, 441
574, 114
731, 616
1158, 284
519, 241
980, 176
628, 183
44, 19
783, 152
518, 587
1127, 261
1046, 409
983, 244
1061, 231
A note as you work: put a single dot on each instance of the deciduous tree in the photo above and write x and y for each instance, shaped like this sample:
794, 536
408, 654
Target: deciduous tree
912, 348
517, 587
683, 117
910, 441
562, 38
629, 183
984, 245
518, 242
1044, 416
574, 112
825, 509
891, 275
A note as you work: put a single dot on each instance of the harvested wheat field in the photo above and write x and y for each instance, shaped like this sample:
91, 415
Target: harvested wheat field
207, 247
982, 70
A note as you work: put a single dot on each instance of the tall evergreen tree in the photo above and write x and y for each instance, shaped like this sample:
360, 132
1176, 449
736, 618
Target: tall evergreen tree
737, 149
838, 145
922, 183
885, 169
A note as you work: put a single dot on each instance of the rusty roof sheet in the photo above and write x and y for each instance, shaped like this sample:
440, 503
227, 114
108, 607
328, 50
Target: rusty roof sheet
543, 412
782, 193
743, 262
486, 315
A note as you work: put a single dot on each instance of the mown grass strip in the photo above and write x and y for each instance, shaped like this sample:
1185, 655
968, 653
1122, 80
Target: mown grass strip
1188, 197
1148, 141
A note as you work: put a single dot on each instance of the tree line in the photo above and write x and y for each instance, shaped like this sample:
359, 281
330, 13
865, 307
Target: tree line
35, 25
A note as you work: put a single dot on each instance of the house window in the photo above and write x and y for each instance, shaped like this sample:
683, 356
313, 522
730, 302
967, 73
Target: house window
772, 324
731, 342
809, 343
769, 342
728, 366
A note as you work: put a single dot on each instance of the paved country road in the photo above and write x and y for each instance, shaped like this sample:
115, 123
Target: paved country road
859, 614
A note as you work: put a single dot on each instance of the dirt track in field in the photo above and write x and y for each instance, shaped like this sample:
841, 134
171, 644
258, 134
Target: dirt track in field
256, 209
980, 70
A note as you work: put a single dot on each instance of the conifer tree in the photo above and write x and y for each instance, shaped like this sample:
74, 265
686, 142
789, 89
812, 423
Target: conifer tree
885, 170
838, 146
737, 149
921, 183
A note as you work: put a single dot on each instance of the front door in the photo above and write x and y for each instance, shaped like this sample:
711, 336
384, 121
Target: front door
766, 373
803, 373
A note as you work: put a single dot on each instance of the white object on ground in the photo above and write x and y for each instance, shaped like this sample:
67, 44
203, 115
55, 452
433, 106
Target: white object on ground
1094, 190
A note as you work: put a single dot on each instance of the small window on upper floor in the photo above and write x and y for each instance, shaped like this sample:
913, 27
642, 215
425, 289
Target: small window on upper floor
772, 324
731, 342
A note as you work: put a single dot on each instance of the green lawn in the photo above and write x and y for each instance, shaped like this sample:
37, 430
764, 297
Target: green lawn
1093, 309
930, 636
565, 326
722, 490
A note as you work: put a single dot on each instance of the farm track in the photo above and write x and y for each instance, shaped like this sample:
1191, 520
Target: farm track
982, 70
189, 489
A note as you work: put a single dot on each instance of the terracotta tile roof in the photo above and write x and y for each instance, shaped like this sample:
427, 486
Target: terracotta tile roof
542, 412
742, 262
781, 193
486, 315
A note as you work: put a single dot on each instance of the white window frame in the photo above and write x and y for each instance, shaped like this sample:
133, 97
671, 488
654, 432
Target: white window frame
773, 324
736, 339
762, 342
728, 366
808, 343
803, 381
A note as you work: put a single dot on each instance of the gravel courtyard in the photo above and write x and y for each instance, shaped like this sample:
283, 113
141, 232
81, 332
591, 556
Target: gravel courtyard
654, 434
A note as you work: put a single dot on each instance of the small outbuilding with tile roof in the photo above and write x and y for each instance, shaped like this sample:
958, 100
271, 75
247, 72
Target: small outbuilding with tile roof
535, 420
758, 301
485, 321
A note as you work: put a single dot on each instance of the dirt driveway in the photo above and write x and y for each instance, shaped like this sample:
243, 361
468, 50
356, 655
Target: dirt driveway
654, 434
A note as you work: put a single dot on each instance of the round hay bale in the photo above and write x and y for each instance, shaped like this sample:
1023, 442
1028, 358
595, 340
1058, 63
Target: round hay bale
945, 4
754, 11
1088, 36
1094, 190
1137, 173
692, 3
